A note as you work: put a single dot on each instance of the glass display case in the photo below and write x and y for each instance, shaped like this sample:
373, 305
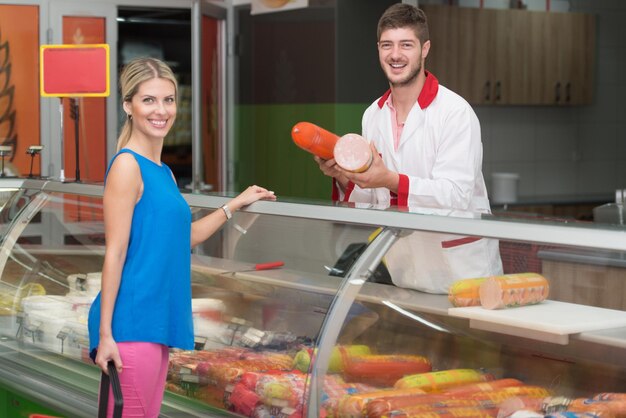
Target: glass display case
323, 332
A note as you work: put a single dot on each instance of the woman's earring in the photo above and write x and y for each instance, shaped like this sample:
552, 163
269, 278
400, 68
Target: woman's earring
130, 117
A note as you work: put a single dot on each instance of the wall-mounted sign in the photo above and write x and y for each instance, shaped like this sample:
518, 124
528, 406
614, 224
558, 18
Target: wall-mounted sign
270, 6
74, 70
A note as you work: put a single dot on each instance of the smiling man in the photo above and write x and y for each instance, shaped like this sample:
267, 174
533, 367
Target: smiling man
427, 153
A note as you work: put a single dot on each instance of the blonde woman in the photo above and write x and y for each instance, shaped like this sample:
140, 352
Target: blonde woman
145, 303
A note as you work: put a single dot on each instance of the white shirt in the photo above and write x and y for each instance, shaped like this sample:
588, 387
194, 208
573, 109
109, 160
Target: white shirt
439, 159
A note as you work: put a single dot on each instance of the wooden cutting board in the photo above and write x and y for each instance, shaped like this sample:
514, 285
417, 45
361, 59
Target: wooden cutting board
550, 320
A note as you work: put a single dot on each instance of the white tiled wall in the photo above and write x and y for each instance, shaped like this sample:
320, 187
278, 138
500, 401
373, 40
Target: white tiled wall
568, 151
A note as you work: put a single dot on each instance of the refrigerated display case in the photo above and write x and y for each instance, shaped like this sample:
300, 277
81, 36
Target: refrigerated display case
319, 336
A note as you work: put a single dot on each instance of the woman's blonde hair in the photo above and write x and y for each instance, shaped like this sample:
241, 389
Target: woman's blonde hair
133, 74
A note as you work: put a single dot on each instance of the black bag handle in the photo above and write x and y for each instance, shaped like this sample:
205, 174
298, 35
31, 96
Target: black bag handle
105, 383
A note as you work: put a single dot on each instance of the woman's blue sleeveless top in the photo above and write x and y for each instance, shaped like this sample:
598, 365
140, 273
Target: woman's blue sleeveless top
154, 299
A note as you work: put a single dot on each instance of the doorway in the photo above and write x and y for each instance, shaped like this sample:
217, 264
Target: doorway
164, 34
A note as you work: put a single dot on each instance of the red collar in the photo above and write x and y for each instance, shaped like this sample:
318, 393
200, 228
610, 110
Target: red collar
427, 95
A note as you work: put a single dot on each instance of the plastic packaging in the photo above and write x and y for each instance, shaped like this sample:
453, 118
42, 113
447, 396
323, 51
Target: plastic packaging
513, 290
207, 308
314, 139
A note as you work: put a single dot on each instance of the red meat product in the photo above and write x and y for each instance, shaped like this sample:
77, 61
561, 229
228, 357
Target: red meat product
465, 292
316, 140
519, 403
383, 370
337, 390
243, 401
353, 153
483, 386
498, 396
513, 290
616, 408
356, 405
382, 407
610, 396
461, 412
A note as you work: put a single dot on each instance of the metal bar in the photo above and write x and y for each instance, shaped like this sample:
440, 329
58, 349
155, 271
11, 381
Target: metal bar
334, 320
196, 96
585, 235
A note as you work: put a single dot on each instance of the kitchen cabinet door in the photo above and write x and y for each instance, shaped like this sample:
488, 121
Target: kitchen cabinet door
474, 56
575, 44
483, 53
443, 58
510, 75
563, 46
513, 57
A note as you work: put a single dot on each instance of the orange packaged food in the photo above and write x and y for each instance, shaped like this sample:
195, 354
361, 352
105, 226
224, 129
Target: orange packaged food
461, 412
610, 396
483, 386
383, 370
314, 139
381, 407
464, 292
354, 406
606, 408
513, 290
498, 396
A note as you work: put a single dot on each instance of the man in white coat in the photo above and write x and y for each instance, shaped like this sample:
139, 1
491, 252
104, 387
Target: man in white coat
427, 153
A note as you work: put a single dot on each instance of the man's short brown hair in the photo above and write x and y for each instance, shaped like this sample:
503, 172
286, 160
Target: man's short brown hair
401, 15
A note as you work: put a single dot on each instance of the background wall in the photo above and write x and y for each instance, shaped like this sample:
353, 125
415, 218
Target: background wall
568, 151
560, 153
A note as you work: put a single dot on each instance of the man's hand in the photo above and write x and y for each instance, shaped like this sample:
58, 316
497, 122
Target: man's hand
331, 169
378, 175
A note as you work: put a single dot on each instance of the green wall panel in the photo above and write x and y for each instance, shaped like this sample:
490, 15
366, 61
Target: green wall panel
13, 405
266, 155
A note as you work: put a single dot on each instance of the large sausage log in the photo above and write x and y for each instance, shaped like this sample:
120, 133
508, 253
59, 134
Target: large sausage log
442, 380
314, 139
513, 290
353, 153
464, 292
483, 387
354, 406
383, 370
302, 359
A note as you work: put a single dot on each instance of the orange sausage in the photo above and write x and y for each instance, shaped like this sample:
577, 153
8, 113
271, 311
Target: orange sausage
616, 408
380, 407
462, 412
498, 396
513, 290
316, 140
465, 292
383, 370
354, 405
610, 396
483, 387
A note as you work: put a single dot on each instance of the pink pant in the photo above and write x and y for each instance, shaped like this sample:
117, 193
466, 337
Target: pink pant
142, 379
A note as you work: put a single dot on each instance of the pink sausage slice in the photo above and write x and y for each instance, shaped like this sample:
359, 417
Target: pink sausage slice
352, 153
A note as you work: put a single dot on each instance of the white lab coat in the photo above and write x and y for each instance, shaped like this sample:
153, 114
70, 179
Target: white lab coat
440, 152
